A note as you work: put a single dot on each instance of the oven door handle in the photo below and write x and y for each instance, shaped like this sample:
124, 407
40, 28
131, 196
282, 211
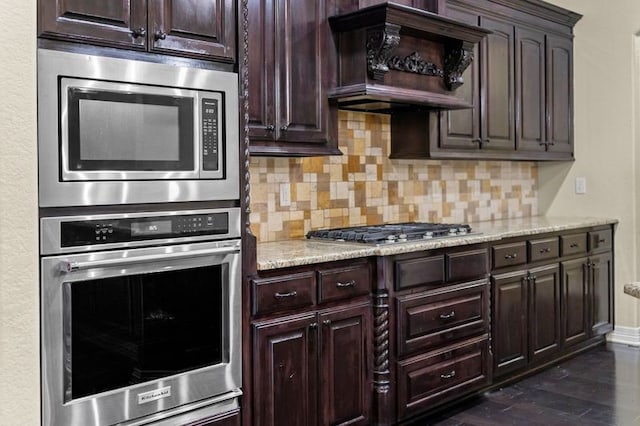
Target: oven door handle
68, 266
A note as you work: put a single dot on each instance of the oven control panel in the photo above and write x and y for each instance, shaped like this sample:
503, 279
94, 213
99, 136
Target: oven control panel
122, 230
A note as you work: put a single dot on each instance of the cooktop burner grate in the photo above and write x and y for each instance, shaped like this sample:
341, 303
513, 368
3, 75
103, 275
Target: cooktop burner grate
392, 233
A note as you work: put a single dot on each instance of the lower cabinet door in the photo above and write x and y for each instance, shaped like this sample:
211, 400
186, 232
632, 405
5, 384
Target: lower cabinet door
285, 371
601, 293
509, 326
575, 298
442, 375
346, 360
544, 312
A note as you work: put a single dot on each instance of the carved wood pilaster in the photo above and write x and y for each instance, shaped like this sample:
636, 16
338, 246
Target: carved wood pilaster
457, 58
381, 42
381, 373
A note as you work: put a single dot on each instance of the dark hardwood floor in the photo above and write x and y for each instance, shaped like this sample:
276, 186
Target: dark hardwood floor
600, 387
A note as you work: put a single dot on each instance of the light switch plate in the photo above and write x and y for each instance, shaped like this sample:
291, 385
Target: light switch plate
581, 185
285, 194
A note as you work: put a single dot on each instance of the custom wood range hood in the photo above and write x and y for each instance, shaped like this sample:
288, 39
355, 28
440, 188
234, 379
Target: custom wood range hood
392, 56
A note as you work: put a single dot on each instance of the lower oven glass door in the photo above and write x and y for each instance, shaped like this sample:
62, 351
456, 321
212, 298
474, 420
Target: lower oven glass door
130, 333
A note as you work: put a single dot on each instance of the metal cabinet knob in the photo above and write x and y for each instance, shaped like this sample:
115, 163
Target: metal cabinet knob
270, 128
159, 35
284, 128
138, 32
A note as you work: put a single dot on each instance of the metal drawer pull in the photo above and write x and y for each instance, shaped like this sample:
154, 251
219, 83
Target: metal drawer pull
351, 283
574, 245
545, 250
283, 295
511, 256
450, 315
602, 241
449, 375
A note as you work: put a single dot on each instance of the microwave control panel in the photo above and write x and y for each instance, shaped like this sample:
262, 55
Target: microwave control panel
121, 230
210, 132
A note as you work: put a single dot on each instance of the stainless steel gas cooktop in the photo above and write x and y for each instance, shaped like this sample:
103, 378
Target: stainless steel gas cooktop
392, 233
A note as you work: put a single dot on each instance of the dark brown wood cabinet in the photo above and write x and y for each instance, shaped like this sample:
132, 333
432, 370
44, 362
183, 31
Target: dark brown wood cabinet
509, 322
601, 293
312, 360
520, 85
203, 29
441, 326
291, 67
557, 302
313, 368
575, 295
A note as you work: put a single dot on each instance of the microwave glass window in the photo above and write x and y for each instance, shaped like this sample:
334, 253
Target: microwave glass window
132, 329
116, 131
125, 131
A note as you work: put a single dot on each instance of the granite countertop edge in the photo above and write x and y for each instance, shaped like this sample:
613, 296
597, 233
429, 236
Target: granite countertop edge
299, 252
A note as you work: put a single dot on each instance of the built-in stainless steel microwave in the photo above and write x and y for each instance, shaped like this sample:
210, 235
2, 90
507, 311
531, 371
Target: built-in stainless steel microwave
119, 131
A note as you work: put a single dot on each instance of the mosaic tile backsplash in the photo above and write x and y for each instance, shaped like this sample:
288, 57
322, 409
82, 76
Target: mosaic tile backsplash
290, 196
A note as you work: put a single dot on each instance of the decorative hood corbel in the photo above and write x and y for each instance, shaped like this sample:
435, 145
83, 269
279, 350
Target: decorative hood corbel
391, 56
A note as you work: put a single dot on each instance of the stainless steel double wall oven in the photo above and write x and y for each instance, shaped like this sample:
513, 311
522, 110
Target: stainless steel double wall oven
140, 302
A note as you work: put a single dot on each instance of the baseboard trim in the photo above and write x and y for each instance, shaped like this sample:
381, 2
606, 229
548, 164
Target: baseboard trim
625, 335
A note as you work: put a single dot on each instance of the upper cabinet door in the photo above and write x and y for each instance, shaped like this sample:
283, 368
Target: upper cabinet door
261, 70
199, 28
560, 95
302, 52
460, 129
290, 67
118, 23
498, 85
530, 90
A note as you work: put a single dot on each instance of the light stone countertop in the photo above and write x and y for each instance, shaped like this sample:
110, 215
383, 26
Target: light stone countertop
283, 254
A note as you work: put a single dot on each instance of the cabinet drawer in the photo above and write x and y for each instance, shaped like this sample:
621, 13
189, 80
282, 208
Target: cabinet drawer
600, 239
440, 376
420, 271
509, 255
342, 283
437, 317
573, 244
467, 265
546, 248
284, 292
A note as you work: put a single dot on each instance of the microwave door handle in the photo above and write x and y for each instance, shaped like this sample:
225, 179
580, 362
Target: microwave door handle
68, 266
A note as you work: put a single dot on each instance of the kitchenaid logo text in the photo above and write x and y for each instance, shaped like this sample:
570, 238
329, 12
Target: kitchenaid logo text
154, 395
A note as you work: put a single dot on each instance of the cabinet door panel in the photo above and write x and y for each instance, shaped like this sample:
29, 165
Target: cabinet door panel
261, 69
509, 332
530, 90
560, 94
544, 309
200, 28
460, 129
601, 293
285, 363
300, 50
498, 85
575, 301
346, 354
107, 22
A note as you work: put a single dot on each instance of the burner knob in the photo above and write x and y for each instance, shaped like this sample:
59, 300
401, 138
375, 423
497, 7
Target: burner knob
462, 231
391, 239
402, 237
427, 235
453, 231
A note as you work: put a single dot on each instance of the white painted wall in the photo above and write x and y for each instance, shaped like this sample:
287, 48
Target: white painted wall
606, 92
19, 341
